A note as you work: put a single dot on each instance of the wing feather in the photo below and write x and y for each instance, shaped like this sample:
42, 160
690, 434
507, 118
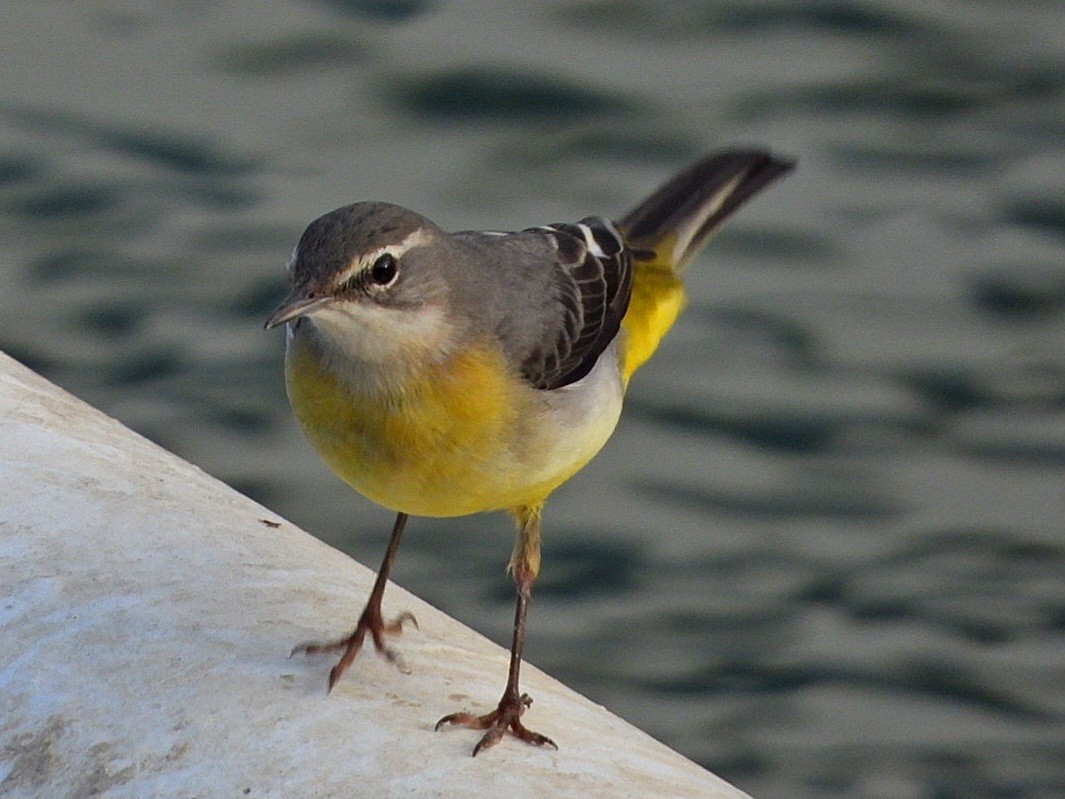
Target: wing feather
592, 283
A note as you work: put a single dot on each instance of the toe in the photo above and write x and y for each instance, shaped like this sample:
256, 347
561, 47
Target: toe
534, 738
395, 627
490, 739
461, 720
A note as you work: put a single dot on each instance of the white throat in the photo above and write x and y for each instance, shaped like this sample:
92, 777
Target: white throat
373, 348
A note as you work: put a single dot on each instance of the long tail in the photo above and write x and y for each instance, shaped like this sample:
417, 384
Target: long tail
668, 229
676, 221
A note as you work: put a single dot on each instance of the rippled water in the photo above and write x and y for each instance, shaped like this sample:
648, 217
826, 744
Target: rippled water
823, 555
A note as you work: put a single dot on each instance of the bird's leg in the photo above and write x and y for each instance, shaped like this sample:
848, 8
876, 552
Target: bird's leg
371, 621
525, 565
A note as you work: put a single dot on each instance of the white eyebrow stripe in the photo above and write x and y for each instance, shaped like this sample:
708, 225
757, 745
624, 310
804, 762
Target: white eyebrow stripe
414, 239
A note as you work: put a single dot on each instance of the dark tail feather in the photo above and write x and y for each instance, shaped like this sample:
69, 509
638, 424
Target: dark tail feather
674, 223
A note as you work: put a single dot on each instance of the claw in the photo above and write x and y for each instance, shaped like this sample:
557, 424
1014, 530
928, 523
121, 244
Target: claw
505, 718
371, 623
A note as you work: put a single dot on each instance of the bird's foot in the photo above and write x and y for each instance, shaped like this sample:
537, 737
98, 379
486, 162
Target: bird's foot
370, 622
505, 718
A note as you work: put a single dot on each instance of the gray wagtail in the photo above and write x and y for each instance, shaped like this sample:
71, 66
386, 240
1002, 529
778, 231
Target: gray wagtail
441, 374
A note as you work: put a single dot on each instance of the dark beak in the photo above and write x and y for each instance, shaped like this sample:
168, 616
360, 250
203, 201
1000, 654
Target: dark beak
295, 306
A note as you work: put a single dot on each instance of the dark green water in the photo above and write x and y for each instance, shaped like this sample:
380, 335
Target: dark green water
824, 553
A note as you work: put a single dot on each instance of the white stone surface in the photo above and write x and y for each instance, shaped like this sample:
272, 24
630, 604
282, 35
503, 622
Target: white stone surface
147, 615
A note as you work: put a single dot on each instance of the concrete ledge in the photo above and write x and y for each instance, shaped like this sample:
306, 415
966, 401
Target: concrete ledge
147, 615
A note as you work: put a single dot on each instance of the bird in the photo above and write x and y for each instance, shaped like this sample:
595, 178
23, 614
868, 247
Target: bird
445, 374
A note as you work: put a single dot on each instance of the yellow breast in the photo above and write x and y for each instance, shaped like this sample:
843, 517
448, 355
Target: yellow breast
466, 436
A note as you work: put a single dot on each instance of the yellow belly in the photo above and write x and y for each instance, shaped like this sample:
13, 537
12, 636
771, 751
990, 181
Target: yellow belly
468, 437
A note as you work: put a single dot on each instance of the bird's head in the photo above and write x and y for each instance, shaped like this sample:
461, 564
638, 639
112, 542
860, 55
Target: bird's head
368, 279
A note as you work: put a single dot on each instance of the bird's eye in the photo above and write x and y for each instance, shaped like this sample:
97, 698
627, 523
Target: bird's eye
384, 269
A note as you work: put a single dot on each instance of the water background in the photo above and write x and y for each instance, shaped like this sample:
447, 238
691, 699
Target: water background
823, 554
